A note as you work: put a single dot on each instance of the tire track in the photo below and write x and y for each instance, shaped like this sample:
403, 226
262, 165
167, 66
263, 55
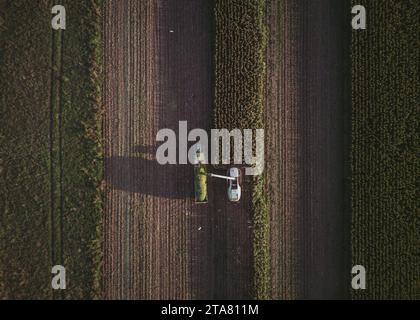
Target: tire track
56, 149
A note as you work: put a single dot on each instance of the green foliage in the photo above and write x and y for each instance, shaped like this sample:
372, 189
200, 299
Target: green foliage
385, 139
261, 247
82, 148
25, 53
239, 63
50, 159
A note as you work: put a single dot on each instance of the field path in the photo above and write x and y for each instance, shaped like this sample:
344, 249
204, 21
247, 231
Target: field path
307, 101
157, 243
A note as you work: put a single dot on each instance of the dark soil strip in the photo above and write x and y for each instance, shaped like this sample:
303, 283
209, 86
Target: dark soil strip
307, 115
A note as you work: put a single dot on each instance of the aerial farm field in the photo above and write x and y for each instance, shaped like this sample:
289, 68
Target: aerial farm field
81, 110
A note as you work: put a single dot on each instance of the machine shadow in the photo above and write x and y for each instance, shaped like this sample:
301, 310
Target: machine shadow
148, 177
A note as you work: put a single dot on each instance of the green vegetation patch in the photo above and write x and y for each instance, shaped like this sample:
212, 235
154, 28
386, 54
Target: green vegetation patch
385, 84
50, 155
81, 148
239, 64
260, 241
25, 191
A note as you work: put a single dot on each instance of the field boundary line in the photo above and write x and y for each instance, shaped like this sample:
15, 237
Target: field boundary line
56, 155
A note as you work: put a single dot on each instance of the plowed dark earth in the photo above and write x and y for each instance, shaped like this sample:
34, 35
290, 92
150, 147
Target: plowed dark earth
158, 244
307, 102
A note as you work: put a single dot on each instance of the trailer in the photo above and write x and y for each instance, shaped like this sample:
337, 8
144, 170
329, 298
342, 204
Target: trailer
200, 178
200, 183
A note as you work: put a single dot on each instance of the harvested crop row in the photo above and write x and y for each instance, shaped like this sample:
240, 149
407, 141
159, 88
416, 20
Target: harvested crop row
384, 165
239, 97
157, 242
306, 148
